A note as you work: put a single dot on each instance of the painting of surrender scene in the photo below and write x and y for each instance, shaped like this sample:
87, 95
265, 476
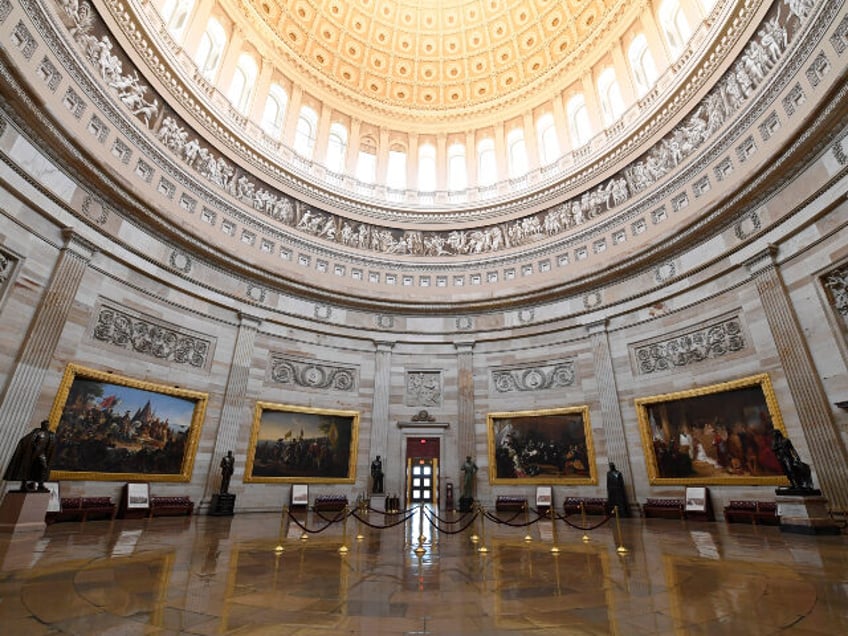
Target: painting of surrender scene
114, 428
552, 446
720, 434
292, 443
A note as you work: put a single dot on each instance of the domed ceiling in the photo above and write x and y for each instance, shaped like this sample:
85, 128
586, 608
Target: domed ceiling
433, 56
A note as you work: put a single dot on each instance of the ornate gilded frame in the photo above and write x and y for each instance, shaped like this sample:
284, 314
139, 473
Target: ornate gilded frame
267, 438
169, 399
559, 426
742, 399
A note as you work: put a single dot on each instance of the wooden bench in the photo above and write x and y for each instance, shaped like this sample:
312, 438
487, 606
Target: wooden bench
330, 503
82, 509
510, 503
592, 505
170, 506
664, 508
747, 511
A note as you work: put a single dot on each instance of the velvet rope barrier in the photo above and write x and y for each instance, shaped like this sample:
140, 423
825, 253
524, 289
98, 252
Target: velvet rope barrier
509, 522
450, 521
407, 516
330, 522
579, 527
449, 532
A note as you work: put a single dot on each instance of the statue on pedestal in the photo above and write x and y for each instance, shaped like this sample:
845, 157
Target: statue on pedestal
797, 471
469, 468
616, 493
228, 463
31, 460
377, 476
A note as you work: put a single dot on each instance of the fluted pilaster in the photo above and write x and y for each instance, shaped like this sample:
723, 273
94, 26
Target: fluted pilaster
39, 344
465, 399
827, 451
382, 392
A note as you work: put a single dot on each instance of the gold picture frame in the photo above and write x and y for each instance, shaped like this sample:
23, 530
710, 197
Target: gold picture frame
297, 444
713, 435
545, 446
115, 428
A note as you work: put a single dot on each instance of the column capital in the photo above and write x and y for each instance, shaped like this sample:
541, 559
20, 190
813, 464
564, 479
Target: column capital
762, 260
598, 327
464, 346
76, 243
384, 346
249, 321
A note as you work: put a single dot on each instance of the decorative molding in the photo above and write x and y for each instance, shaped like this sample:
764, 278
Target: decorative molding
713, 340
180, 261
423, 388
311, 374
422, 416
835, 283
144, 335
7, 267
540, 377
748, 226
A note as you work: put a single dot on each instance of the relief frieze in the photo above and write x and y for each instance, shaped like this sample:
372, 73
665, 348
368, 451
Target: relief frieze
836, 284
534, 378
706, 342
146, 336
423, 388
311, 374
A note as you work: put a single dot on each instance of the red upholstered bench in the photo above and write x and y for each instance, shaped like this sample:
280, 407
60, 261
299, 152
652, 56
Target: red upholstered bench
510, 503
170, 506
746, 511
83, 509
664, 508
592, 505
332, 503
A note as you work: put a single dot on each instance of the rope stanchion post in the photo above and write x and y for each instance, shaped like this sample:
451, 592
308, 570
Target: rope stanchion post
363, 510
583, 522
482, 549
474, 537
283, 519
620, 549
343, 549
554, 547
420, 549
527, 537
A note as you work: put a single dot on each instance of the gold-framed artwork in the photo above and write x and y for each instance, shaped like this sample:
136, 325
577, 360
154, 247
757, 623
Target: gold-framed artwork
114, 428
713, 435
546, 446
299, 444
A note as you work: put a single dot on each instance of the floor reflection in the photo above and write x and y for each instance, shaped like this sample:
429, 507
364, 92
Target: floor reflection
223, 576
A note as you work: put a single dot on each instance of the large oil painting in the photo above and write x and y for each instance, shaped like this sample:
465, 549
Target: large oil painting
301, 444
113, 428
552, 446
718, 434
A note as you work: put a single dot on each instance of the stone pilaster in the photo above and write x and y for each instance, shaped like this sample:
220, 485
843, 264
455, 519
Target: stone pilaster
234, 411
466, 438
382, 393
828, 455
39, 343
611, 419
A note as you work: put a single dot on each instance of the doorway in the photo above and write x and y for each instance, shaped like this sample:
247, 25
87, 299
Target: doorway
422, 470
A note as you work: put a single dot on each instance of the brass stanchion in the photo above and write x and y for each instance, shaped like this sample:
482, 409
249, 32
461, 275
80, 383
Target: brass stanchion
554, 547
527, 537
343, 547
620, 549
421, 538
362, 511
482, 549
583, 522
279, 549
474, 537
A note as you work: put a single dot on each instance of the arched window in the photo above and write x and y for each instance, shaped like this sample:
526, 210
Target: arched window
517, 153
642, 64
336, 147
427, 168
243, 83
366, 162
175, 15
396, 169
579, 125
211, 49
609, 92
674, 26
275, 110
487, 165
304, 134
457, 168
546, 133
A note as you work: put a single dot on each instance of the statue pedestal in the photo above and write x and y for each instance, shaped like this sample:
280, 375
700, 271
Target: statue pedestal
804, 513
222, 505
378, 501
24, 512
466, 504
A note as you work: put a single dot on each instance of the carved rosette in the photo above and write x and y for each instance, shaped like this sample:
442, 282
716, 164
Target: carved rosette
143, 336
712, 341
540, 378
311, 374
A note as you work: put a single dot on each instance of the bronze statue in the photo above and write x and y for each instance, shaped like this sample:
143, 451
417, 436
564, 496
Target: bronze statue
469, 468
377, 476
797, 471
228, 463
616, 493
31, 460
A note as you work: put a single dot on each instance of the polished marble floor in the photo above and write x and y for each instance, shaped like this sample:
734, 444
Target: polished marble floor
214, 575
